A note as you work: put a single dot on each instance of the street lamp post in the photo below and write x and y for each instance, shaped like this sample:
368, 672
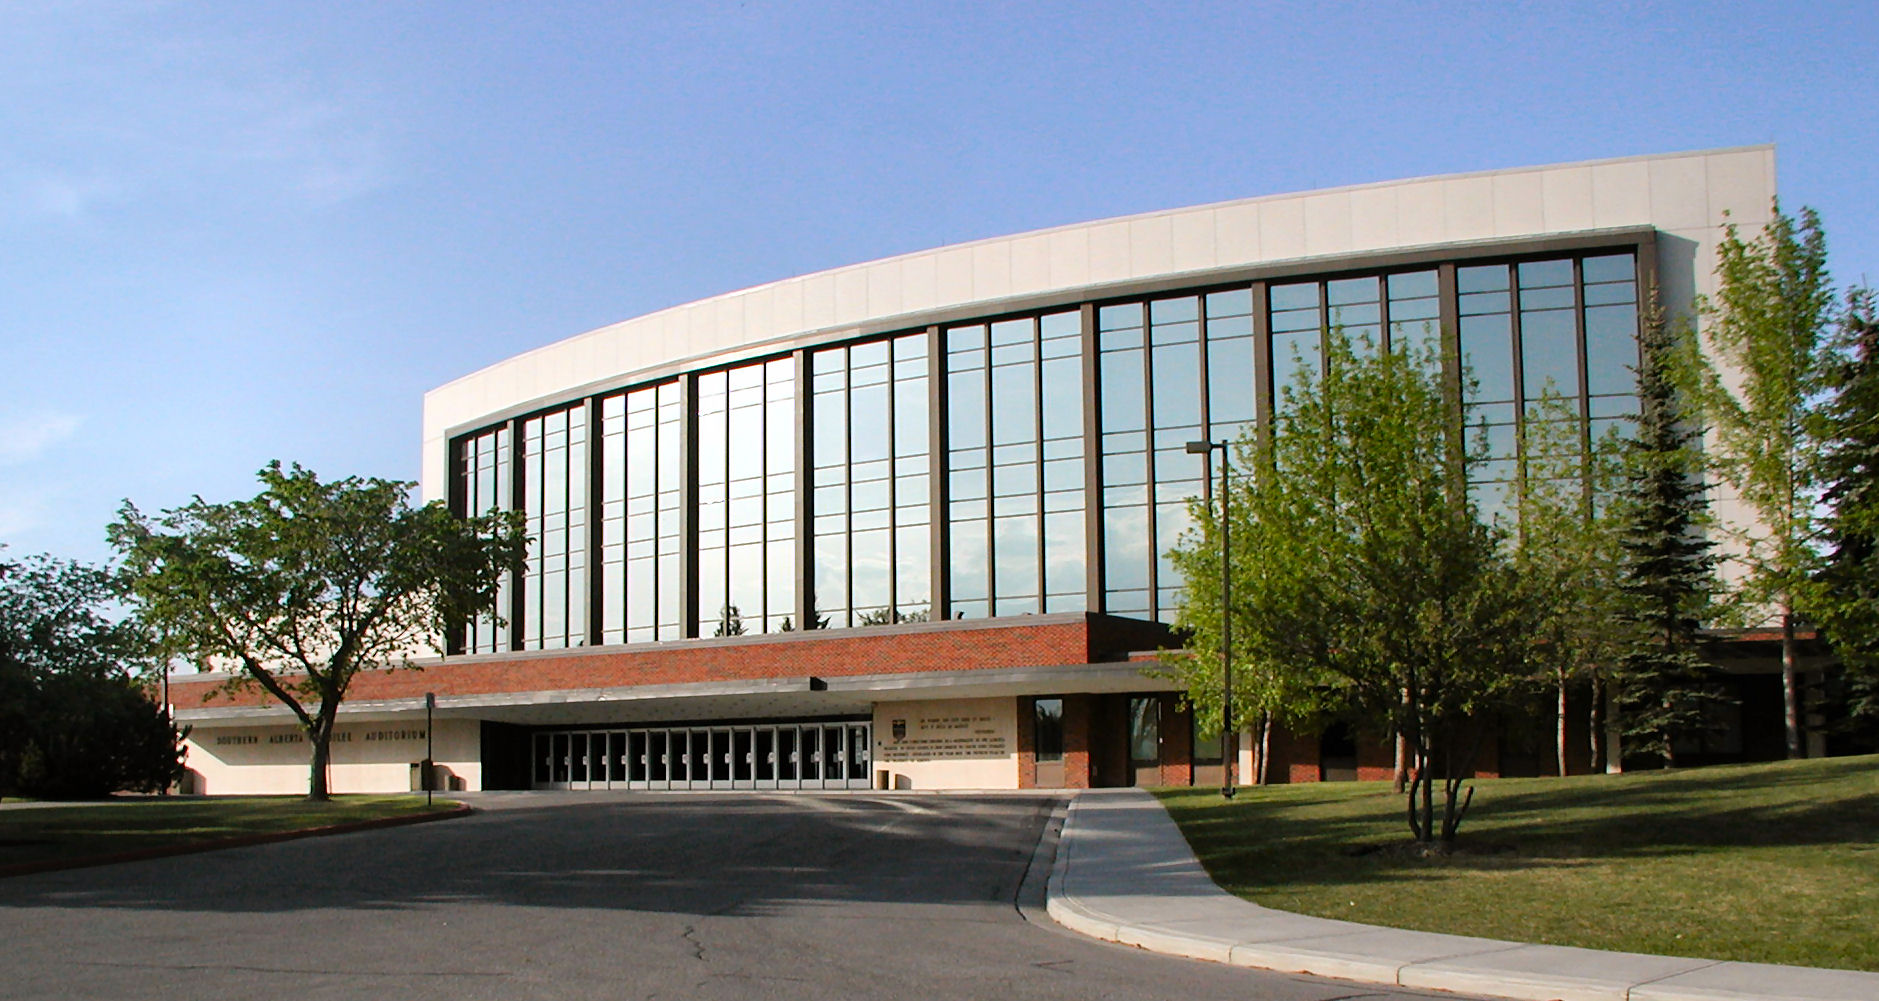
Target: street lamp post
430, 767
1229, 749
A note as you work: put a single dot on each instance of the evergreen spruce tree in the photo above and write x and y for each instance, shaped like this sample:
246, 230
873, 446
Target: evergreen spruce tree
1668, 566
1847, 604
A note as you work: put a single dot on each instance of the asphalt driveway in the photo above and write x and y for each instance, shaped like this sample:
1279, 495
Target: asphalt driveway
602, 895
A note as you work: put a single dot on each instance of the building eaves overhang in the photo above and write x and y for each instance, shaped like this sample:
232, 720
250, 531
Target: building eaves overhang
806, 697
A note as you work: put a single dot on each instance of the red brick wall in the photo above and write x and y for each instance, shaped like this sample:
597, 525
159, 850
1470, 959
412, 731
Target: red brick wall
1376, 758
871, 651
1294, 757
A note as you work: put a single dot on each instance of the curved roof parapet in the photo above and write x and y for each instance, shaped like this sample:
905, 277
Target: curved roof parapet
1680, 194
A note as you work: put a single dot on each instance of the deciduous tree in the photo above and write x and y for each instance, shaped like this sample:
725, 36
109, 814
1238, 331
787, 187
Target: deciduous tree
310, 583
75, 720
1366, 574
1768, 324
1267, 691
1566, 548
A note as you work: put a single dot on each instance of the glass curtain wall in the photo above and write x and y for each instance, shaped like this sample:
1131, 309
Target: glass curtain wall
554, 492
641, 492
873, 473
1014, 438
1542, 339
746, 436
1155, 401
484, 479
1563, 329
1232, 365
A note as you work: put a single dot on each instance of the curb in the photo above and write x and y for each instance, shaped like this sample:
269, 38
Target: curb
1288, 943
237, 841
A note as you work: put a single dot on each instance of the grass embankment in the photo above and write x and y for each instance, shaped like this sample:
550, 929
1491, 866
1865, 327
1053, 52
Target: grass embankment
1770, 863
41, 833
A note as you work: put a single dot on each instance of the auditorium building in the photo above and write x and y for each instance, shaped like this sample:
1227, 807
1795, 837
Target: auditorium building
902, 524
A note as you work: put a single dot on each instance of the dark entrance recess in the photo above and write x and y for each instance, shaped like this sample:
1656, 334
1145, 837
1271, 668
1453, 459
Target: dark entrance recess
1337, 754
1048, 742
505, 756
1145, 740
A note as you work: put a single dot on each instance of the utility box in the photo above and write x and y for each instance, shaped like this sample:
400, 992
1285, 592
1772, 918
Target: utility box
423, 776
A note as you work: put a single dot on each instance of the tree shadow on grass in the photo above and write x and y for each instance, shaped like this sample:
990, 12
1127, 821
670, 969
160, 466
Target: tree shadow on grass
1342, 836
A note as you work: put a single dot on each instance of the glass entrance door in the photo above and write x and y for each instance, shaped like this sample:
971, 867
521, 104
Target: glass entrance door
766, 756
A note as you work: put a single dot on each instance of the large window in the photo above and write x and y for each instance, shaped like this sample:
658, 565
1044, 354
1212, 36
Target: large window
1155, 401
746, 427
1550, 346
554, 492
1015, 459
484, 487
640, 582
873, 475
616, 487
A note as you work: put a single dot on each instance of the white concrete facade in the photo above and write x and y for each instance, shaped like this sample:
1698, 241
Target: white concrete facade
270, 756
1685, 197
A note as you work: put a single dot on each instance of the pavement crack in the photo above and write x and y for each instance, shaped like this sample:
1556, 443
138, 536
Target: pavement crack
761, 977
291, 970
690, 934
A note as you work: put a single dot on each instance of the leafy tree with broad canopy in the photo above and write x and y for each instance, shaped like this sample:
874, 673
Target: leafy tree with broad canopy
1566, 548
1267, 692
1362, 572
309, 583
76, 722
1768, 324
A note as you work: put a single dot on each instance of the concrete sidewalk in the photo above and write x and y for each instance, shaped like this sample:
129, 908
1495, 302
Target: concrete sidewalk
1125, 873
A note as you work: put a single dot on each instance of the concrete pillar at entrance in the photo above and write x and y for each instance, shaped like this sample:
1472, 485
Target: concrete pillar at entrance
1076, 741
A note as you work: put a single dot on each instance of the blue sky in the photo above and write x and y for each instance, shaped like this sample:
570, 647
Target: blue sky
244, 231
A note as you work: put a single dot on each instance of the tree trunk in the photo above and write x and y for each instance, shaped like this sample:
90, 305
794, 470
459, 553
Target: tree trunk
320, 736
1595, 725
1265, 752
1560, 744
1790, 684
1425, 774
316, 782
1262, 750
1670, 743
1399, 774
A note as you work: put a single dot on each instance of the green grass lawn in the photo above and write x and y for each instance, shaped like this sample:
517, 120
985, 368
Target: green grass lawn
1771, 863
38, 832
